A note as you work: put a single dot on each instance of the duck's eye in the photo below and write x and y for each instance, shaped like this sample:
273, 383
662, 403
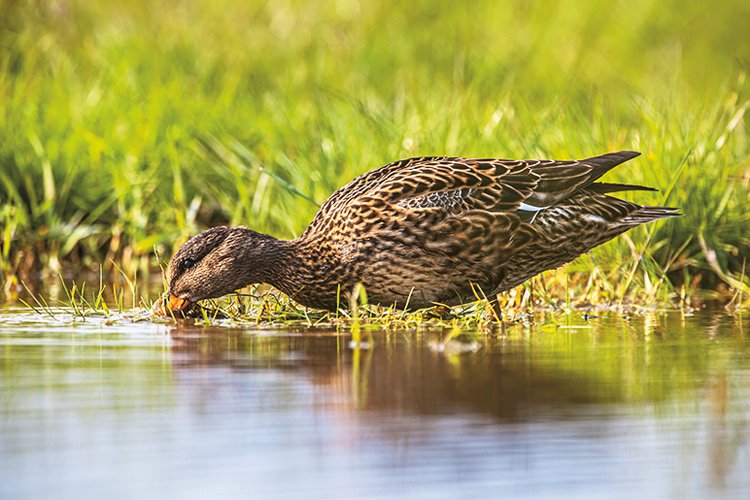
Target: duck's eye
188, 262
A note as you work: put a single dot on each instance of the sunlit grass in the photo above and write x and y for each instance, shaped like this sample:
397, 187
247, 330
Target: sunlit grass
261, 306
127, 128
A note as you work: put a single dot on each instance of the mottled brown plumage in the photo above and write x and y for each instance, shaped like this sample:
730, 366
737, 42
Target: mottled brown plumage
422, 231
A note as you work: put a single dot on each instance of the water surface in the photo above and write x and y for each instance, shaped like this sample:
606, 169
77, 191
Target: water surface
651, 406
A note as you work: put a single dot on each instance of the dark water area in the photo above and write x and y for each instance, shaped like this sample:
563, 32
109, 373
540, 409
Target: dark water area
650, 406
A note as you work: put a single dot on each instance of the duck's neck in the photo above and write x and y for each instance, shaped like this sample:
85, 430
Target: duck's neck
266, 259
296, 267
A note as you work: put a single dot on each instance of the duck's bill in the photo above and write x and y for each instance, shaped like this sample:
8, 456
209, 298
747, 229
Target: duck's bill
171, 306
168, 305
176, 304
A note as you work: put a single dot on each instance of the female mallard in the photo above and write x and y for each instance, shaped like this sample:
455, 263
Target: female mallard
422, 231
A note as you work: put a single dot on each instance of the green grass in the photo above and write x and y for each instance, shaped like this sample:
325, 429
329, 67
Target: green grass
125, 129
261, 306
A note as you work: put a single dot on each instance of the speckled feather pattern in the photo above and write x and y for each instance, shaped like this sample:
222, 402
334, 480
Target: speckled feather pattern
437, 230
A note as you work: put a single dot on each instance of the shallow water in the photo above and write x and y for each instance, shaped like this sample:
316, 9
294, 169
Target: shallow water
654, 406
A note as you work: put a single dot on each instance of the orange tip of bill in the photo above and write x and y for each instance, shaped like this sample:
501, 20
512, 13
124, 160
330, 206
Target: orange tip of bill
167, 306
176, 304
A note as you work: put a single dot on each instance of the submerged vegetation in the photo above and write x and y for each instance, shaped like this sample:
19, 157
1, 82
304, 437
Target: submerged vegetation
128, 128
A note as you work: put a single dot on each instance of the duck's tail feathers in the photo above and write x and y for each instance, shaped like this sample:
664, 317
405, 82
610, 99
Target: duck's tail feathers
650, 214
604, 163
608, 187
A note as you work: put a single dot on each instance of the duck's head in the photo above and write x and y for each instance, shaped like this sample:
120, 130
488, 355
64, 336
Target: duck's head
215, 263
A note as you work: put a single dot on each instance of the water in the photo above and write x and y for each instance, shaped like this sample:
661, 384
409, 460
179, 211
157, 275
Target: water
653, 406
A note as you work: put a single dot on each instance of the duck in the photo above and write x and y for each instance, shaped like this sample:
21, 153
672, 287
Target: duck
421, 232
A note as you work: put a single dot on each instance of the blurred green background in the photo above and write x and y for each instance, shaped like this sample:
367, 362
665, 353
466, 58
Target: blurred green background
126, 127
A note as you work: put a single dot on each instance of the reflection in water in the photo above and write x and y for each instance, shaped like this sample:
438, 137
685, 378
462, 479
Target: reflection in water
654, 406
403, 373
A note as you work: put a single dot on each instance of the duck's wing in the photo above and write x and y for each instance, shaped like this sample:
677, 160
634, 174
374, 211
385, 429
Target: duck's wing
460, 184
498, 185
